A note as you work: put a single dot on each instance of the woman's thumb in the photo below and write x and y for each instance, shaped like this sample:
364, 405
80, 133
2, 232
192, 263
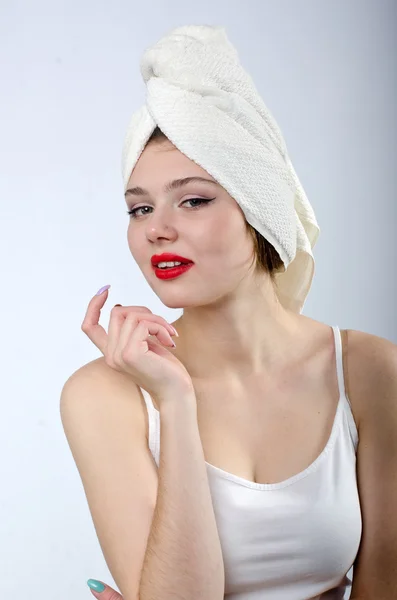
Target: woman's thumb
102, 591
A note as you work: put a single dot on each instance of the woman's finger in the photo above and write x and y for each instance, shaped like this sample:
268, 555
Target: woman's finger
132, 335
107, 342
90, 324
117, 323
107, 594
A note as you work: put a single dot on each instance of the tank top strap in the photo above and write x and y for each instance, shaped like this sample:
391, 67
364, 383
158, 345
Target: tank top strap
148, 401
341, 385
154, 426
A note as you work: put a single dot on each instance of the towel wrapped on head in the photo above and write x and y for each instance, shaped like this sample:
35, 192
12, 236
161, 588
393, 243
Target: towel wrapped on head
207, 105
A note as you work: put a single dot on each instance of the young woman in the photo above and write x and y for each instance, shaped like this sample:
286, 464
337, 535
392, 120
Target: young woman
257, 459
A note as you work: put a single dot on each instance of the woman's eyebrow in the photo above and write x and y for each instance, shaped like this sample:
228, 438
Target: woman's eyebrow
171, 185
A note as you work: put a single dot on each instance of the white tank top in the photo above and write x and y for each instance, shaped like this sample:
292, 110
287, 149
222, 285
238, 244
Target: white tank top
296, 539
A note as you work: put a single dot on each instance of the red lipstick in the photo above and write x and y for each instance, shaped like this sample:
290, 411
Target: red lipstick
168, 257
172, 272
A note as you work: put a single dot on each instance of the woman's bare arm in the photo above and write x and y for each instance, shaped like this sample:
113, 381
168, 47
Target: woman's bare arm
183, 560
104, 423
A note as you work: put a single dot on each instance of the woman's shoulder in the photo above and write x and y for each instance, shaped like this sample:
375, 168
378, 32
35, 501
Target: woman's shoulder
366, 357
99, 370
95, 386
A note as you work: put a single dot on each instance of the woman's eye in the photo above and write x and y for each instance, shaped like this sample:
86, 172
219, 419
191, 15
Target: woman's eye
134, 212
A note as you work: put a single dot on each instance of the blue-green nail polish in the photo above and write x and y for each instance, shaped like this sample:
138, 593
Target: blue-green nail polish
95, 585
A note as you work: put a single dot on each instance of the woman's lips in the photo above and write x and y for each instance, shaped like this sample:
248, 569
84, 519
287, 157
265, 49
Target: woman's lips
172, 272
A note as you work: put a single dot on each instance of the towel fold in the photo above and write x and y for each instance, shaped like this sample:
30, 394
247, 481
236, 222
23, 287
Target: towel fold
200, 96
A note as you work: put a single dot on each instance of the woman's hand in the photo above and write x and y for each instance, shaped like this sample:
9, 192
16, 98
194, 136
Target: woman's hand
128, 347
107, 594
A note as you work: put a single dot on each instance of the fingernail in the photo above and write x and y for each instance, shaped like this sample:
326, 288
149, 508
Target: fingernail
95, 585
176, 333
99, 292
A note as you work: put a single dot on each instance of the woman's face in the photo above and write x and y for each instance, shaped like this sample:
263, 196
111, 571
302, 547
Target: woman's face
213, 235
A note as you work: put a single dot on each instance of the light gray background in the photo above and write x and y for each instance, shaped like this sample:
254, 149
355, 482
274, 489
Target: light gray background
70, 81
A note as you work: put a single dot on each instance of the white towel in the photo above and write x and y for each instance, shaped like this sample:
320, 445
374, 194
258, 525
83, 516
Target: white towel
200, 96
